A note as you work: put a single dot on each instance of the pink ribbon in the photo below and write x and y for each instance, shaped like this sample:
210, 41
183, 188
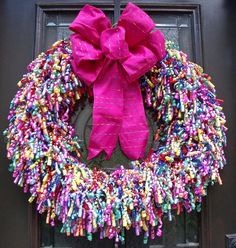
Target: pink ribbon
112, 59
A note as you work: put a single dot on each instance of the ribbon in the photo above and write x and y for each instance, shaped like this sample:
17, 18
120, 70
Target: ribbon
112, 59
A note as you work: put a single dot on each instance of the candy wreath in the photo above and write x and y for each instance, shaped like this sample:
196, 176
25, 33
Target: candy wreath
186, 157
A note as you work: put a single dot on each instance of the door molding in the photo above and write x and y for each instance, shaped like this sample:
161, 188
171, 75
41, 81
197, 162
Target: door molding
54, 6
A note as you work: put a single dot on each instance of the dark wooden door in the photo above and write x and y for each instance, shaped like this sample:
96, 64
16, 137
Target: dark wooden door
203, 29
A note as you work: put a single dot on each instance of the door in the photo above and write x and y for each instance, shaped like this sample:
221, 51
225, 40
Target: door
193, 26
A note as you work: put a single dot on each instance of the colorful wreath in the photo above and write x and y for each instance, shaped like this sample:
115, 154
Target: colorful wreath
186, 156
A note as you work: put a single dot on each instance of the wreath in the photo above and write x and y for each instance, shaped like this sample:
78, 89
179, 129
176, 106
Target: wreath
186, 156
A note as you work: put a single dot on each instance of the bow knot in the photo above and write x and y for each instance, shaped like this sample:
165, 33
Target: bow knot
113, 43
112, 59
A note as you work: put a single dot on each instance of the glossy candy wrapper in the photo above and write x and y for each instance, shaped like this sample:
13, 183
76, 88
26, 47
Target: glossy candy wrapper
186, 157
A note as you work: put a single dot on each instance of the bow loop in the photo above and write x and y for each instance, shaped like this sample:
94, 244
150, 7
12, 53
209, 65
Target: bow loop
144, 55
90, 23
86, 56
137, 24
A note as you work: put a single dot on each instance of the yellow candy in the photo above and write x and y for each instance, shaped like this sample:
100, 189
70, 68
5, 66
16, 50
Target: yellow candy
169, 159
77, 232
113, 220
217, 122
49, 161
77, 95
178, 55
57, 90
71, 209
24, 118
31, 156
170, 53
31, 199
33, 165
77, 179
83, 173
200, 132
64, 56
56, 43
44, 126
160, 200
19, 84
48, 217
124, 221
53, 215
150, 82
74, 186
213, 177
131, 206
95, 223
81, 233
144, 214
210, 84
219, 180
27, 153
45, 109
140, 223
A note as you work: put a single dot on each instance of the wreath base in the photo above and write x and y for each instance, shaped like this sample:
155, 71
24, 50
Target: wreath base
187, 154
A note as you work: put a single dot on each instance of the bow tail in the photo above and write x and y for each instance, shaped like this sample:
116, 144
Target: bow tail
107, 111
134, 129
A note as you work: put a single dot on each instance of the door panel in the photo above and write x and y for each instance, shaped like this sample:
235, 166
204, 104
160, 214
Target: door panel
178, 25
53, 21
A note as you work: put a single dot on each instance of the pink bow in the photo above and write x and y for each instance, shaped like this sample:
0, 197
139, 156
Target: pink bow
112, 59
